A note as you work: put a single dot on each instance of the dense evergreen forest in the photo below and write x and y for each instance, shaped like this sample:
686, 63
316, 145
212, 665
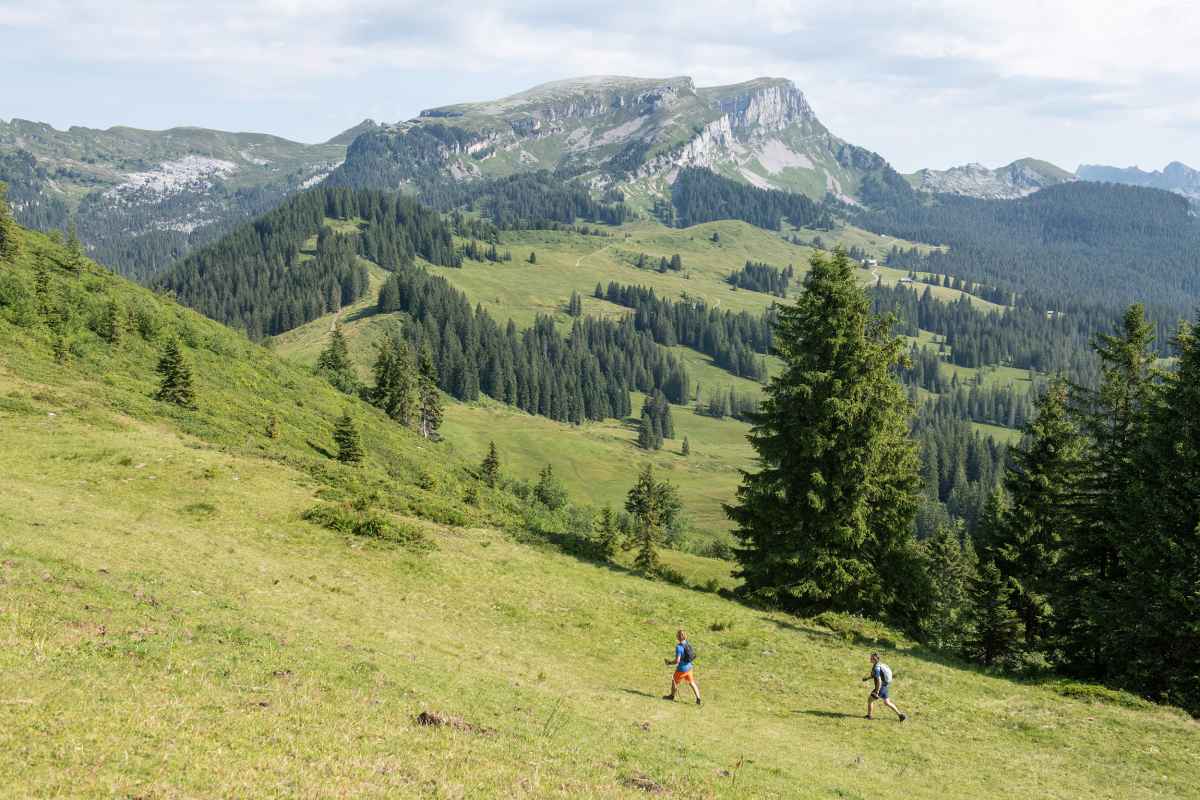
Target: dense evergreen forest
526, 200
700, 195
733, 340
586, 375
1020, 337
759, 277
1064, 248
1078, 552
251, 279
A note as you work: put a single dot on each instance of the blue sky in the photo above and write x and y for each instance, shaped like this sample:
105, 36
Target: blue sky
924, 83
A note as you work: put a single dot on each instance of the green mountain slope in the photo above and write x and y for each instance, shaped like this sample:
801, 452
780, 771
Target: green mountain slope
172, 626
144, 198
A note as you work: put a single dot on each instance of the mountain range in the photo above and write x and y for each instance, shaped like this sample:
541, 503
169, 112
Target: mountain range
142, 199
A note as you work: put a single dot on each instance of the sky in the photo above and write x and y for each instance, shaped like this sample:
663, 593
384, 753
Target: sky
925, 84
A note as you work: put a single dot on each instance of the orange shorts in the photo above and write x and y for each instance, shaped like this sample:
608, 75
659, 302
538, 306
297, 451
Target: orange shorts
684, 677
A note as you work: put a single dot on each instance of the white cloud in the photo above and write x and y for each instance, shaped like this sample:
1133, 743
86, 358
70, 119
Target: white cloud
933, 82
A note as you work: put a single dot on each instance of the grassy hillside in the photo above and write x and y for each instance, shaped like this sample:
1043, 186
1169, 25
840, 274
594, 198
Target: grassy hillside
170, 625
597, 460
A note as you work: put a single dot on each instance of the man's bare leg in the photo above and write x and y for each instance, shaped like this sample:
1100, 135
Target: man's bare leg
892, 706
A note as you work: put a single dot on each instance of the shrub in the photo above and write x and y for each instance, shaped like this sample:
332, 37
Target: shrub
359, 519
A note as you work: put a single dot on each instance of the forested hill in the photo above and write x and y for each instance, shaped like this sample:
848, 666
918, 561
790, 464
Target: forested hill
1071, 245
253, 278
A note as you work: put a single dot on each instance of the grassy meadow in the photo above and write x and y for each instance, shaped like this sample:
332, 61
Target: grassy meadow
172, 624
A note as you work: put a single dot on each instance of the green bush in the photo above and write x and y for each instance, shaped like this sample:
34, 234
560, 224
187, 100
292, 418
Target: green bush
1090, 693
357, 518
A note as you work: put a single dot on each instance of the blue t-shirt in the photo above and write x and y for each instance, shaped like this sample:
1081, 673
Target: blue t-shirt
680, 650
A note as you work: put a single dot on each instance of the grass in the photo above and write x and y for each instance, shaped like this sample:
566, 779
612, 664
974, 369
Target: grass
148, 653
172, 626
598, 461
595, 459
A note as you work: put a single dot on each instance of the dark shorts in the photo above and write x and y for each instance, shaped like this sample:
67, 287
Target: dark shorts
882, 694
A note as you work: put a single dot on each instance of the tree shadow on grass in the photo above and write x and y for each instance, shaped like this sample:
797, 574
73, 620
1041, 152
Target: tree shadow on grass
816, 712
318, 448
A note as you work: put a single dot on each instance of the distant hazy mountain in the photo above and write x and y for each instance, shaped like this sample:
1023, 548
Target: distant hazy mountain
143, 198
631, 133
1018, 179
1175, 177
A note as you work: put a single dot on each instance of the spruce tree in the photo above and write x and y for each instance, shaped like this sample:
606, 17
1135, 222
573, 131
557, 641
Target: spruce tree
10, 245
429, 411
549, 490
345, 436
687, 448
997, 628
1027, 542
532, 257
646, 439
608, 534
653, 505
334, 363
1160, 624
952, 569
490, 468
74, 256
175, 385
838, 486
112, 323
1115, 419
395, 391
273, 427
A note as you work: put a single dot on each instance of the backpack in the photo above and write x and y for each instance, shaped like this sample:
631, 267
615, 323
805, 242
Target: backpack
689, 653
885, 673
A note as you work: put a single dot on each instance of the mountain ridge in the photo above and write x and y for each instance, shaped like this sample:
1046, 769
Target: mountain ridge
1009, 182
619, 132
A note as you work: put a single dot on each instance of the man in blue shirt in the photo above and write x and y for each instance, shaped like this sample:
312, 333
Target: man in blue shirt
683, 667
881, 674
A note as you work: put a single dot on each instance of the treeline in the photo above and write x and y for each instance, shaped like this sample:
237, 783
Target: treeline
700, 195
1089, 243
259, 278
733, 340
535, 200
759, 277
1021, 337
1008, 406
587, 374
720, 403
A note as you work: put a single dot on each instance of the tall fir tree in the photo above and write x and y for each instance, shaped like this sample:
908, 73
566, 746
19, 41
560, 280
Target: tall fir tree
608, 533
1026, 542
549, 490
429, 410
653, 505
112, 322
1160, 598
9, 243
74, 257
996, 627
346, 437
952, 569
687, 447
396, 380
490, 468
1115, 419
334, 363
175, 384
838, 488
